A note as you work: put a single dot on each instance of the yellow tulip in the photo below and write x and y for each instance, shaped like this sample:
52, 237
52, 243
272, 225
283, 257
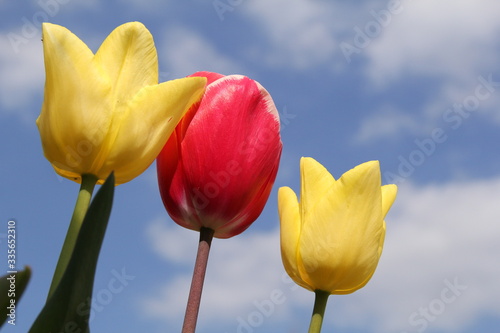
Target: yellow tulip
332, 240
106, 112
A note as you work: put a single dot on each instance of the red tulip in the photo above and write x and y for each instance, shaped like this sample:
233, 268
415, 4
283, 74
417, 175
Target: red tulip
218, 167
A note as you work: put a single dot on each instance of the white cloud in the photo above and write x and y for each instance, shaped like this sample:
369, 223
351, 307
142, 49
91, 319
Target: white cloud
148, 7
241, 271
22, 76
457, 101
173, 243
467, 93
184, 52
437, 236
386, 123
300, 33
452, 38
453, 42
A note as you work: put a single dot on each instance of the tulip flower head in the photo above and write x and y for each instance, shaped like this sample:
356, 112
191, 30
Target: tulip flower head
106, 112
218, 167
332, 240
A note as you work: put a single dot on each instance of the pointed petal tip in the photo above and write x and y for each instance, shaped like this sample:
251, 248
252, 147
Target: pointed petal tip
48, 25
389, 193
374, 164
285, 192
392, 188
49, 29
370, 169
307, 161
134, 26
309, 166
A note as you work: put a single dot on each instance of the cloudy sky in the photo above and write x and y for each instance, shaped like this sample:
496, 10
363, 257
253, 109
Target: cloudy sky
414, 84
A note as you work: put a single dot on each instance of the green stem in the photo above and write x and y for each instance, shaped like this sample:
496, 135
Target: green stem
200, 267
321, 298
81, 206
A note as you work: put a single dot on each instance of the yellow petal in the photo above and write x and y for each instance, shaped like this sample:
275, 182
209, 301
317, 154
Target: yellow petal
128, 59
340, 238
364, 226
360, 189
389, 193
148, 120
288, 209
76, 103
381, 240
315, 182
369, 272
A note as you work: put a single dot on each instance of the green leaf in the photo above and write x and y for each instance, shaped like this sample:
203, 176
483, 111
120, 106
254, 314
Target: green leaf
12, 286
68, 309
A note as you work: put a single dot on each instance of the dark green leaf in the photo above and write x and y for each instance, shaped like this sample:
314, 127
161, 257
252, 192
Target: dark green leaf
68, 309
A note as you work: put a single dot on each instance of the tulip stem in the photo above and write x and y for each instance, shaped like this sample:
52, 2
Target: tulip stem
200, 267
81, 206
321, 298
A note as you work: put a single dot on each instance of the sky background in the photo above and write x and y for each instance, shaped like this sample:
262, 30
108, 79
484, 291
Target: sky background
414, 84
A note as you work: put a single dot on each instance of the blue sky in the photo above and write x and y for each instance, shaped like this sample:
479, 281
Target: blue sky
414, 84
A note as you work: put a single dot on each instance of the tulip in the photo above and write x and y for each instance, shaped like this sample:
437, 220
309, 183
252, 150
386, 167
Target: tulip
332, 240
218, 167
106, 112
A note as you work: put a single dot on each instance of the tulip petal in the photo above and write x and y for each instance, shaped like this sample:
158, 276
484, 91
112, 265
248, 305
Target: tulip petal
381, 240
252, 210
390, 197
349, 220
290, 228
128, 58
389, 193
315, 182
146, 124
364, 225
234, 133
69, 122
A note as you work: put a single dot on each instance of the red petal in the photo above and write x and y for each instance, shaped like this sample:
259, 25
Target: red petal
218, 169
233, 146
